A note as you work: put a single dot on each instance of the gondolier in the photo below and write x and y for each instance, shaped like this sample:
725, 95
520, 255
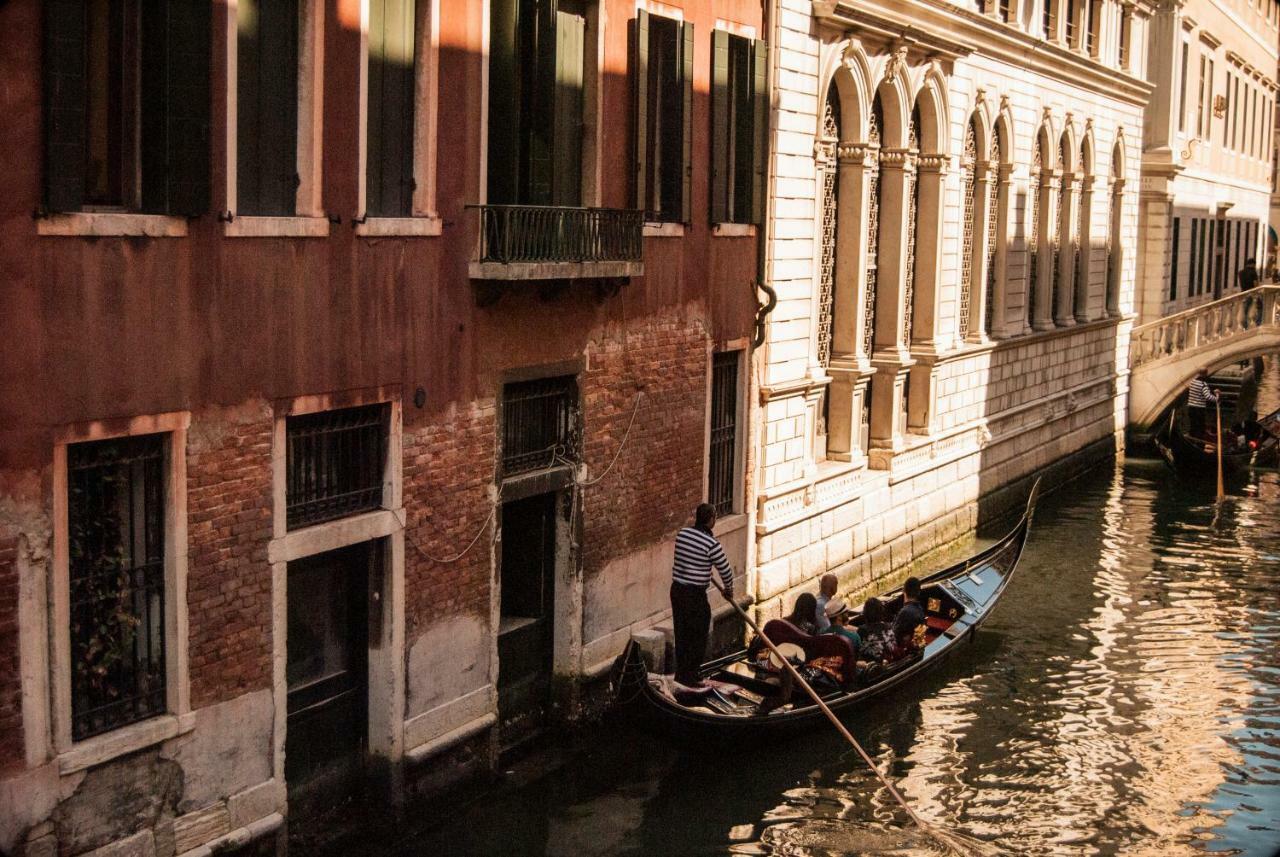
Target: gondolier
697, 551
1199, 396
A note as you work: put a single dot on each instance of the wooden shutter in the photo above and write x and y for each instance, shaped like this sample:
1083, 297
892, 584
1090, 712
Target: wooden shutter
267, 107
640, 98
686, 83
759, 127
538, 102
64, 104
190, 100
570, 51
720, 109
389, 142
504, 104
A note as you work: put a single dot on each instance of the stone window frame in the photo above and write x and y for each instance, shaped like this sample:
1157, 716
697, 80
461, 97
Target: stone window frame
424, 220
310, 219
386, 666
742, 425
71, 755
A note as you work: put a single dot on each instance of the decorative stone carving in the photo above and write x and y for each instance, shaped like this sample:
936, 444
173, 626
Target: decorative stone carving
897, 62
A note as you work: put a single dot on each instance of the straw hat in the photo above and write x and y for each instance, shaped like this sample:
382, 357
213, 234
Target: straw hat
835, 607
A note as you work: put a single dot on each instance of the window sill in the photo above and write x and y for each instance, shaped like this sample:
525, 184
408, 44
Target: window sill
129, 739
278, 227
663, 230
400, 227
734, 230
105, 224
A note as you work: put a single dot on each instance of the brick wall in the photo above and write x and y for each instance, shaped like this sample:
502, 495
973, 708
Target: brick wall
448, 473
657, 480
229, 526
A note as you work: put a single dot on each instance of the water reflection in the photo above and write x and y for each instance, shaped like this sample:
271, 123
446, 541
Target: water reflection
1124, 699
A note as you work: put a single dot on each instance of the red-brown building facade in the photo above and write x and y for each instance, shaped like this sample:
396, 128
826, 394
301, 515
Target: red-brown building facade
360, 360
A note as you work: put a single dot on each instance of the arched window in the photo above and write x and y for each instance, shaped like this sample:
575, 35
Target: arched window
827, 236
1033, 235
995, 235
1114, 247
912, 192
874, 125
969, 191
1082, 236
1061, 232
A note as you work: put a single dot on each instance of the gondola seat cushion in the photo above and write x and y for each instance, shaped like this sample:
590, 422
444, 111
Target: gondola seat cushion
814, 645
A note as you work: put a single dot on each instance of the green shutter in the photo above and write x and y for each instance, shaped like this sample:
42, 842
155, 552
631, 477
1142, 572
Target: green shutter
64, 104
538, 106
190, 106
686, 81
567, 166
504, 103
389, 140
720, 109
267, 107
640, 97
760, 128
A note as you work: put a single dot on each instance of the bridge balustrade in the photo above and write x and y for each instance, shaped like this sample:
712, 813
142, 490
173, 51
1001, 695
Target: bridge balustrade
1204, 325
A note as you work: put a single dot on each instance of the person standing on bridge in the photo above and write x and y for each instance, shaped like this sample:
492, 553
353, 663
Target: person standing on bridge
1248, 276
697, 550
1199, 397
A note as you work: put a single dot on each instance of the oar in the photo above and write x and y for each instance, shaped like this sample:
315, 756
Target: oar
1222, 494
946, 839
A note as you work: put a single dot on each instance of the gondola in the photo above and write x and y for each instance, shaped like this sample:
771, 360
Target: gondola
1195, 457
958, 600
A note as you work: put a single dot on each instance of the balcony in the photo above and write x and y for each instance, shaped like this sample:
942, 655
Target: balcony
549, 242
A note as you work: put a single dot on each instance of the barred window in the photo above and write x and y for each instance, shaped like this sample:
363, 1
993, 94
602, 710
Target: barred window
722, 457
335, 463
116, 534
969, 192
1033, 234
539, 423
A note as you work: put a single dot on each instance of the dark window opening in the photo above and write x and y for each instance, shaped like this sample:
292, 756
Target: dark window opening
1173, 263
722, 457
392, 73
1197, 252
663, 56
536, 73
737, 120
539, 423
267, 107
335, 463
116, 535
126, 103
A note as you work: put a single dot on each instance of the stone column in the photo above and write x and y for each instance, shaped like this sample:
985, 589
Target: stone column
889, 356
931, 173
1043, 284
1063, 315
1084, 238
985, 175
1001, 328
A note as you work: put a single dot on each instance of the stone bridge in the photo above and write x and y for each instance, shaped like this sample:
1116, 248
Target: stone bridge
1165, 354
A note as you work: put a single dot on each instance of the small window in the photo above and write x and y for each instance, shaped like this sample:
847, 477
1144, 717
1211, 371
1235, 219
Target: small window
1182, 89
267, 177
1173, 263
116, 540
1202, 105
539, 424
335, 462
1126, 22
1197, 251
722, 456
126, 106
662, 51
737, 127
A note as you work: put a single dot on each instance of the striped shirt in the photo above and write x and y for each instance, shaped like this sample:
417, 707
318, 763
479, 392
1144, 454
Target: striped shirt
696, 552
1199, 395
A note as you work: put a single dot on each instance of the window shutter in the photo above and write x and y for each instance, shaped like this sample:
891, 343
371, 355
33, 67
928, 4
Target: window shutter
389, 141
759, 127
64, 104
686, 82
187, 156
567, 168
504, 104
267, 107
538, 105
640, 96
719, 126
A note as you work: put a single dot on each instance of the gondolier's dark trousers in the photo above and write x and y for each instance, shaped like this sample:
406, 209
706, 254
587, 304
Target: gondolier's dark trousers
1195, 421
691, 618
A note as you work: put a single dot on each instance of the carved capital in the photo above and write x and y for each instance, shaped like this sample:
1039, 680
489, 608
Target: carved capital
857, 154
933, 163
824, 151
894, 158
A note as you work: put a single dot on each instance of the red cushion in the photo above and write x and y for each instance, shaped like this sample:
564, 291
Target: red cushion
815, 646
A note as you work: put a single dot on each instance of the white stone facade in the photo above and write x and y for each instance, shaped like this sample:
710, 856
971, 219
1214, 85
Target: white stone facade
964, 398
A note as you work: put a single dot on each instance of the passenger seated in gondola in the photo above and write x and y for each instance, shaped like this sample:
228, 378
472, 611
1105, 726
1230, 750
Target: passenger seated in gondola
837, 613
876, 633
909, 624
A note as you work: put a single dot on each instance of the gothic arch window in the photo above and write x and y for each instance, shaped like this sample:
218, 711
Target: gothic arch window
969, 190
1083, 232
875, 124
827, 236
995, 232
912, 194
1060, 234
1114, 248
1033, 235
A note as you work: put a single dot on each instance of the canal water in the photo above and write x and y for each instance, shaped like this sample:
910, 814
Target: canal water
1123, 699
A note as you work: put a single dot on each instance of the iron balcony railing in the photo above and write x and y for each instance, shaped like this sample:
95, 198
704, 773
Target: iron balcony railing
548, 234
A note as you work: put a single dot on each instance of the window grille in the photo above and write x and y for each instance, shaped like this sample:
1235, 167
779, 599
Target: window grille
969, 189
993, 238
539, 422
335, 462
1070, 22
873, 230
1033, 236
1173, 262
827, 275
913, 206
724, 431
116, 533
